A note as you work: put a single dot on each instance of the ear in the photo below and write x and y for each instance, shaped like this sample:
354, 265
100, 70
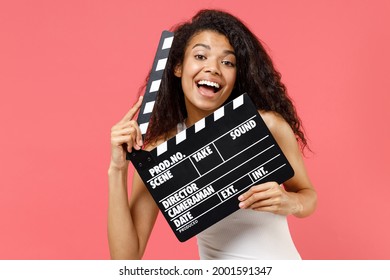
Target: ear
178, 70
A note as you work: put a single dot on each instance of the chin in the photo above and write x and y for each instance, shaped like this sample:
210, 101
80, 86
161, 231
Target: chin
209, 109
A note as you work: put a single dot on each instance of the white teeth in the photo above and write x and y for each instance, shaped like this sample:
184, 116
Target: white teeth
208, 83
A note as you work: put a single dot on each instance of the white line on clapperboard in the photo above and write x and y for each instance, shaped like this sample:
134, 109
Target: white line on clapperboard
231, 196
209, 184
212, 142
263, 151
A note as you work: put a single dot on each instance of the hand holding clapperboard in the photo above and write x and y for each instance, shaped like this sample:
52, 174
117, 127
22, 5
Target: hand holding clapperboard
196, 176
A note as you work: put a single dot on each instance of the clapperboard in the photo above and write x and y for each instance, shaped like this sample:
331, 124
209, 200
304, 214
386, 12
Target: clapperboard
196, 176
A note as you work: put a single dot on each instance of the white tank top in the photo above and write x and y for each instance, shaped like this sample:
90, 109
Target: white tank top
247, 234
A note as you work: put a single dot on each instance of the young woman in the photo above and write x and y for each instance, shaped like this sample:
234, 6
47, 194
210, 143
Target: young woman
213, 59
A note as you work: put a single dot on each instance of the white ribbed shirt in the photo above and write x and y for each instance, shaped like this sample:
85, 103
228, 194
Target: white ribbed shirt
247, 234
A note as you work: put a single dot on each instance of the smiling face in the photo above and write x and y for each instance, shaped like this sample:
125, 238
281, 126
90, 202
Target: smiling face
208, 74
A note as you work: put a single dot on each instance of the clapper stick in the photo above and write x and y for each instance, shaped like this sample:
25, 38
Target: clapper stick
153, 85
196, 176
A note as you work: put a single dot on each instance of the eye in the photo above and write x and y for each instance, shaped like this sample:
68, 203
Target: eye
228, 63
200, 57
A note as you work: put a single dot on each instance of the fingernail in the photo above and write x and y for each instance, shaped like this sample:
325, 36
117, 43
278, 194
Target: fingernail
241, 204
240, 197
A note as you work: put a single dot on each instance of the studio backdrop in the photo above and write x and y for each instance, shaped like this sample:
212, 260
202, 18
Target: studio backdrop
69, 70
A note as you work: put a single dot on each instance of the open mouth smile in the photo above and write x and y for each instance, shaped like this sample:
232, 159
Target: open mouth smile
208, 85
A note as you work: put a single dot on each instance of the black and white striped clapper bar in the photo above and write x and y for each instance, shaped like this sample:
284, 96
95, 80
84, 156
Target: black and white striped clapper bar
196, 176
153, 84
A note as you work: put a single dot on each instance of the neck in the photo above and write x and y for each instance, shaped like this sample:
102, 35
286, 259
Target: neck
195, 115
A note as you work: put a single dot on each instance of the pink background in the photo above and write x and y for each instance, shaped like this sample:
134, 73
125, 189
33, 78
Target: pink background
70, 69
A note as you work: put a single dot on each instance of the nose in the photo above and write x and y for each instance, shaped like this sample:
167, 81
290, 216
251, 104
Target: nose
212, 67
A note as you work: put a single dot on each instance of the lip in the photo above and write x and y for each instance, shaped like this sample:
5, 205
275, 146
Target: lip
208, 94
210, 80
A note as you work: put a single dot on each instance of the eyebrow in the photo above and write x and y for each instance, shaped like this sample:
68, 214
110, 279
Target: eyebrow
209, 48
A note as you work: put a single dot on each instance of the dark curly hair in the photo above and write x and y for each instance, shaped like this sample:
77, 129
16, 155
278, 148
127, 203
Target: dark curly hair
256, 75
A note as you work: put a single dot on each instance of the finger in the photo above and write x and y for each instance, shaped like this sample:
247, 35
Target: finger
138, 133
125, 126
120, 140
121, 132
132, 143
257, 189
130, 114
265, 203
128, 132
272, 195
270, 209
256, 197
123, 136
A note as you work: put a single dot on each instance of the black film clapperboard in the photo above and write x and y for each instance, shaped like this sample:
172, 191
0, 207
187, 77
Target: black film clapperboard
196, 176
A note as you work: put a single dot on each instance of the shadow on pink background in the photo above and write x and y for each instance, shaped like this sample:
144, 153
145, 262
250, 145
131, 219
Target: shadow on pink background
71, 69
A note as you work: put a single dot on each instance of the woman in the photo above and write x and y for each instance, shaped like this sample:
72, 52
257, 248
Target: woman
213, 59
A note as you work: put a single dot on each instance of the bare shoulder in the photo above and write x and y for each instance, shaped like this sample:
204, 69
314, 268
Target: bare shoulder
277, 125
282, 132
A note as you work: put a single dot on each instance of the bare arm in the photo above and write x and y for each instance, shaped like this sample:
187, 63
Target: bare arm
298, 196
129, 222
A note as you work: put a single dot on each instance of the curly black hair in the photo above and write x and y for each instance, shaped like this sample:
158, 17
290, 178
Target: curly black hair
256, 75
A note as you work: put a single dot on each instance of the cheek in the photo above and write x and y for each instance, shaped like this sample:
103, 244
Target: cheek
191, 69
232, 78
189, 73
